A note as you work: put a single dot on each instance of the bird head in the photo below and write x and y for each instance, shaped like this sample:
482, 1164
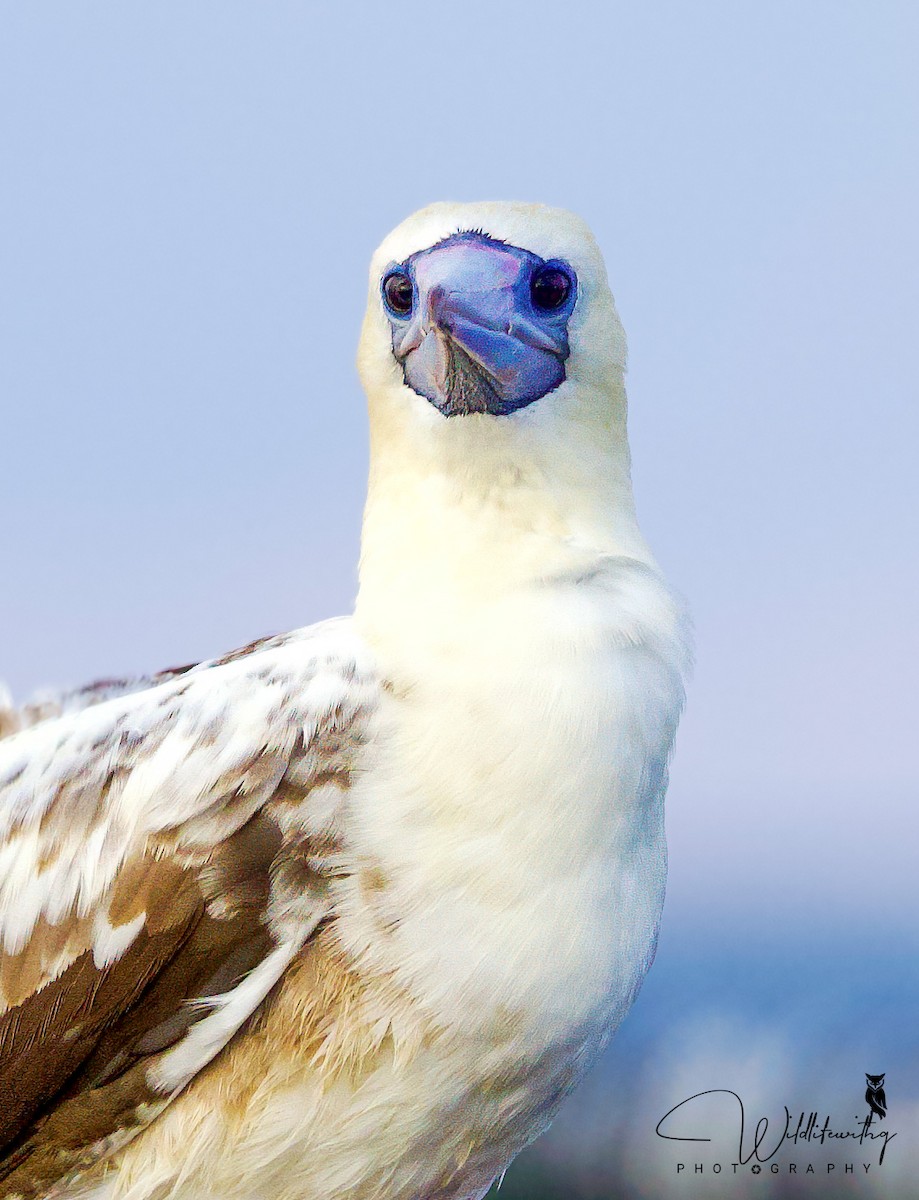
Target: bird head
485, 310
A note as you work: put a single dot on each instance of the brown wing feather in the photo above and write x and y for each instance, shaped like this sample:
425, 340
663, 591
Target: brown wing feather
53, 1035
198, 903
69, 1052
74, 1056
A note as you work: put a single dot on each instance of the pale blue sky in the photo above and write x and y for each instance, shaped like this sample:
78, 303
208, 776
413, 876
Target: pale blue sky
189, 194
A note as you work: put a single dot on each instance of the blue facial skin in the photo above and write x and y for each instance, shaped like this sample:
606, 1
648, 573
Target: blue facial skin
480, 326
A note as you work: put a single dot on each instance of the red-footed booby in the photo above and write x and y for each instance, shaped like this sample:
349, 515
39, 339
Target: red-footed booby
349, 912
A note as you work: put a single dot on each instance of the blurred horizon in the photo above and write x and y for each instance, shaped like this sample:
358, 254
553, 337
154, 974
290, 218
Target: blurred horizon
770, 1027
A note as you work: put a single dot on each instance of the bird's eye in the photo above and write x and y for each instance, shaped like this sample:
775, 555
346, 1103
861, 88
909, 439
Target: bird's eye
398, 293
550, 287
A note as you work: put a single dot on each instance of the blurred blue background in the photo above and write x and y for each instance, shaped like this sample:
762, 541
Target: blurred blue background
189, 194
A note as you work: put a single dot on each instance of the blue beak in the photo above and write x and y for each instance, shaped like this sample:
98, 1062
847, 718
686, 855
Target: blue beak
476, 338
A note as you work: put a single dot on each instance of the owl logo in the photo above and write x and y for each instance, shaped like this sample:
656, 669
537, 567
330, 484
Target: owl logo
877, 1101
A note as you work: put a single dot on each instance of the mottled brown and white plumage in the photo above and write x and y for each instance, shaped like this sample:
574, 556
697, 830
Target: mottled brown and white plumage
350, 911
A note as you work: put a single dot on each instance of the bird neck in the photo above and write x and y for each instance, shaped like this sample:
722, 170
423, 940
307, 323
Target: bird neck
464, 513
